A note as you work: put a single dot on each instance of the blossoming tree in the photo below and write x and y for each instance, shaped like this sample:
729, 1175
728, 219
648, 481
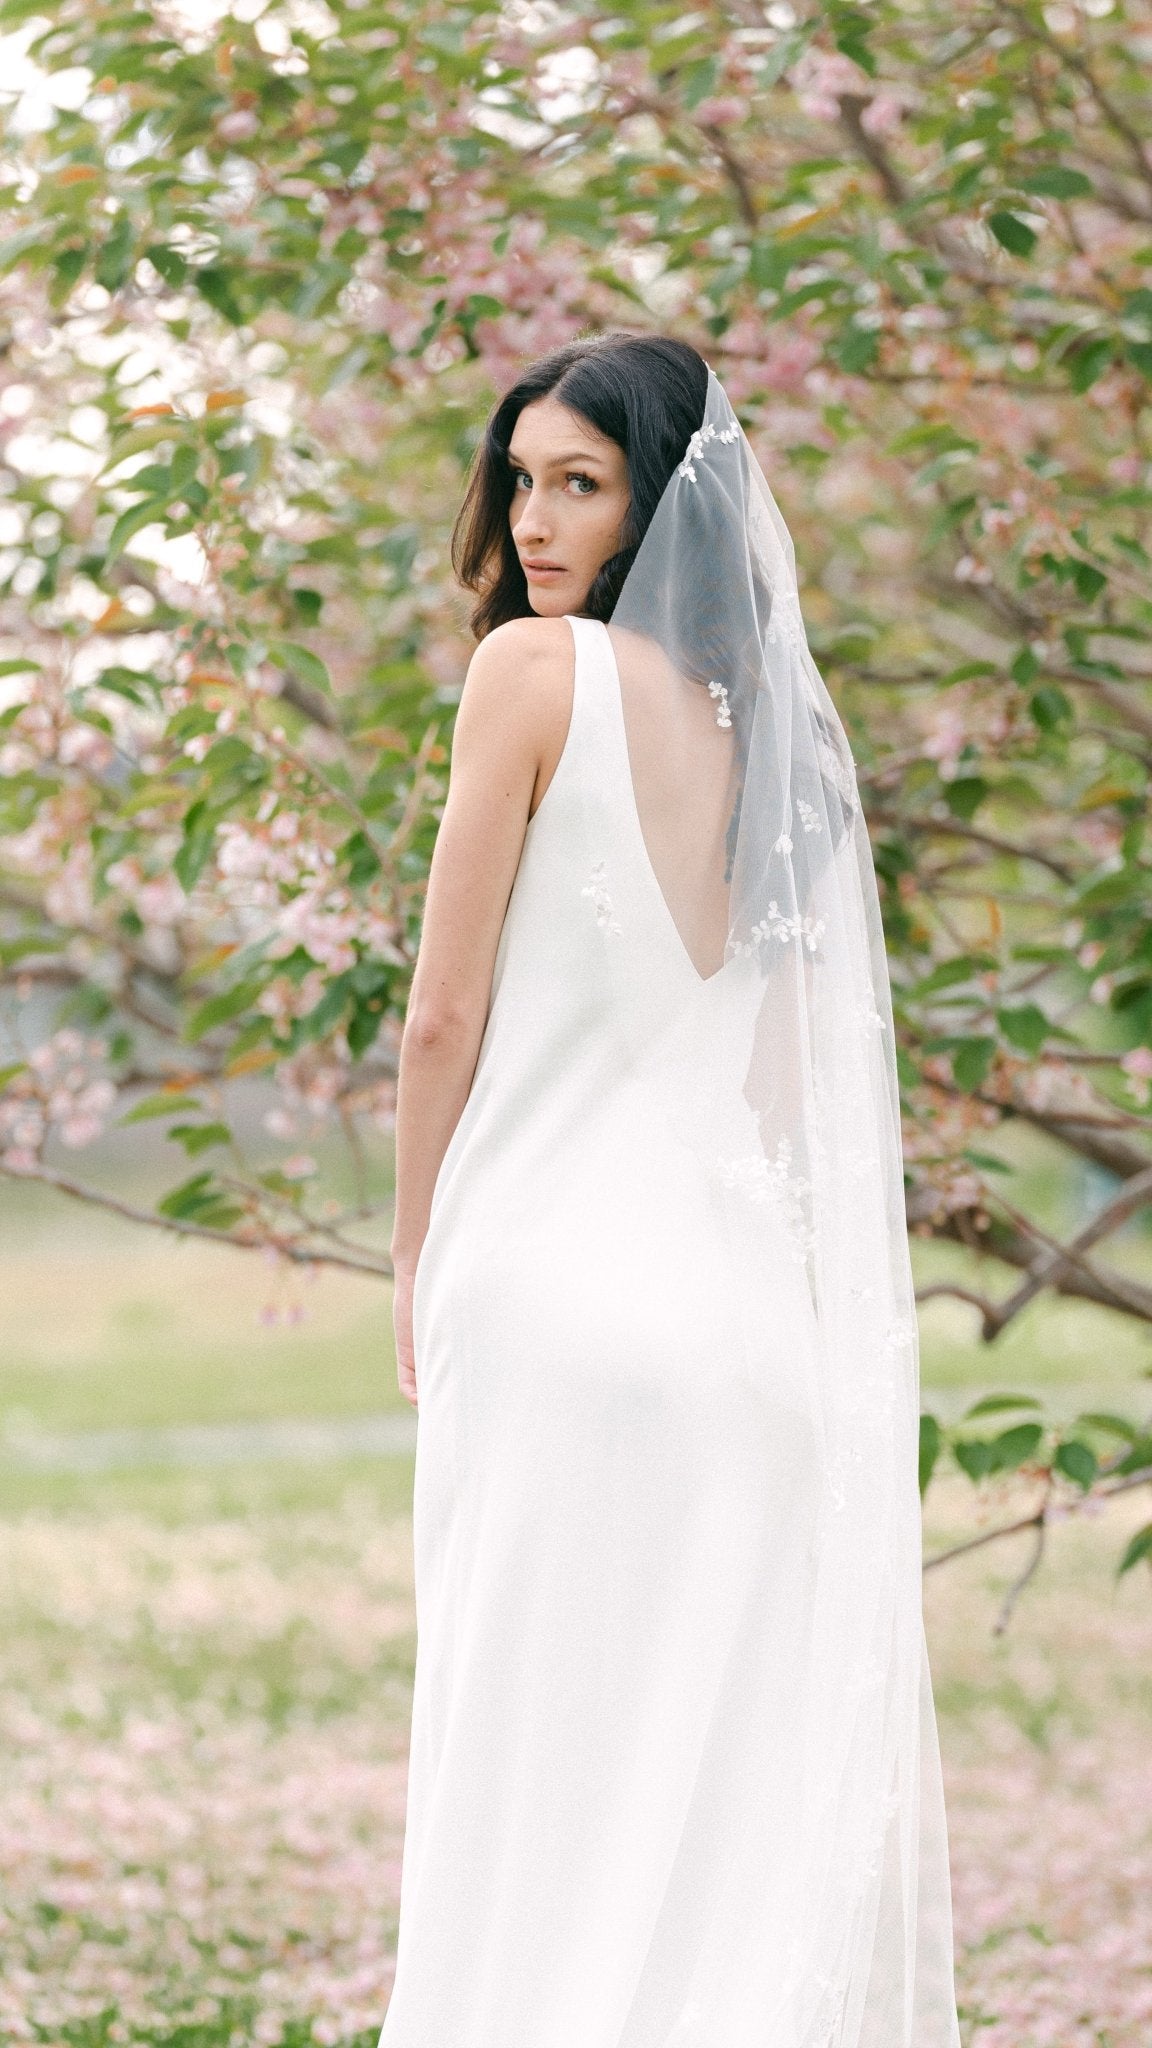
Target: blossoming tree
264, 266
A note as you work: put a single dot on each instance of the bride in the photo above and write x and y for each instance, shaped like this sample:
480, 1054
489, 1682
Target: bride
674, 1779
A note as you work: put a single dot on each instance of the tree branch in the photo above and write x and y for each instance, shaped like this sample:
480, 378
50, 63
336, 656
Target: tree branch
292, 1249
1134, 1195
1079, 1280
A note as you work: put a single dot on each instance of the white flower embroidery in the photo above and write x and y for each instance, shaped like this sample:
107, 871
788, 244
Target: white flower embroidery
596, 888
806, 931
868, 1016
773, 1181
695, 446
901, 1334
724, 714
808, 817
783, 844
841, 772
785, 622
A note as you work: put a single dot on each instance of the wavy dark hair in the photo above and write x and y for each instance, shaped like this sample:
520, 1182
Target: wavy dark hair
646, 392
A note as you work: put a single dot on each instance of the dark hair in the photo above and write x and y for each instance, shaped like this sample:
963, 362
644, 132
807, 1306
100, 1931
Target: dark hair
646, 392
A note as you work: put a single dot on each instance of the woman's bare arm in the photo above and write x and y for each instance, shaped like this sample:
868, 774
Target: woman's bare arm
509, 734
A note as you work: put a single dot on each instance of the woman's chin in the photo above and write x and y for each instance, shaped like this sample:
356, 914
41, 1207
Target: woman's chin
551, 604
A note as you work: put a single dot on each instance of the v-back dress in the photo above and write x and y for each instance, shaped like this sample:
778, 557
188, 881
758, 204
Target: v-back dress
617, 1509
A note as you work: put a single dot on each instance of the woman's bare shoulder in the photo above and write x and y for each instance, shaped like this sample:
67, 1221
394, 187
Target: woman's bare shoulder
521, 676
521, 644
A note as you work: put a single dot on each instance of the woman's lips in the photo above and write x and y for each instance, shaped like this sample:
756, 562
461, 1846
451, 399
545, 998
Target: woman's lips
542, 570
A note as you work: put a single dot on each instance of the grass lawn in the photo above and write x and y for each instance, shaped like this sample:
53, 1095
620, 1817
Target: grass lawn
206, 1678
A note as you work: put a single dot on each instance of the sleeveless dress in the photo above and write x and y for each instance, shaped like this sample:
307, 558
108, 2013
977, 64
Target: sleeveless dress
616, 1499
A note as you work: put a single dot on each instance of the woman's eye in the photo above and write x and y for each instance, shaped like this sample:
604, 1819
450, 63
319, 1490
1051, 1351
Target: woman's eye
521, 480
578, 477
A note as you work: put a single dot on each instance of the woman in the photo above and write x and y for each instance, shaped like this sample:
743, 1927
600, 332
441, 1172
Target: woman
674, 1779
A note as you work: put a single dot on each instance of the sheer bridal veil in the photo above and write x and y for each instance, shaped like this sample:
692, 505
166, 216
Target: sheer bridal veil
784, 1082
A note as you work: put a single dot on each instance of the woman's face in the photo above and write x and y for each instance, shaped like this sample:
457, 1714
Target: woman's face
569, 502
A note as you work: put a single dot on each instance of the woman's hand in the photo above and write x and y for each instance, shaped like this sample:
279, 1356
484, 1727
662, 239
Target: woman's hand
402, 1324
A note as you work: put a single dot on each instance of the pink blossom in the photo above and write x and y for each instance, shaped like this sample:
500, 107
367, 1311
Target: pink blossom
820, 77
946, 739
240, 124
724, 110
1137, 1064
299, 1166
883, 113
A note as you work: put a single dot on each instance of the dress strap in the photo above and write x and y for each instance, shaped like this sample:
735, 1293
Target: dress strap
597, 719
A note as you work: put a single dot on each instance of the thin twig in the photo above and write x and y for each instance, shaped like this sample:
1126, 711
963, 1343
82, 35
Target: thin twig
940, 1287
1024, 1578
182, 1226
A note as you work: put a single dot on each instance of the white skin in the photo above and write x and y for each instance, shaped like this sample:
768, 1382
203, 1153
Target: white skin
567, 515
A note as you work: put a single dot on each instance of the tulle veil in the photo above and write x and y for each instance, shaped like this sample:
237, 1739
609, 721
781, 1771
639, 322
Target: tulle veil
784, 1082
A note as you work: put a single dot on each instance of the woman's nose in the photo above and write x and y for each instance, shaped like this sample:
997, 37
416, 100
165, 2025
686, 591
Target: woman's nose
532, 526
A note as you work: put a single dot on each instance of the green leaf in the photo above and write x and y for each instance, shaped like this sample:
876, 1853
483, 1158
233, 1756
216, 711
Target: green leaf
1078, 1461
994, 1404
1087, 365
189, 723
1089, 581
232, 757
1112, 1425
173, 267
1012, 233
362, 858
196, 846
197, 1138
1024, 667
302, 662
974, 1456
220, 1009
326, 1014
363, 1026
965, 794
114, 262
128, 682
971, 1061
159, 1105
9, 1073
1015, 1446
981, 1456
1055, 181
201, 1200
1137, 1457
1138, 306
215, 284
986, 1161
147, 513
769, 264
960, 968
856, 348
1025, 1026
185, 462
930, 1442
1050, 708
1139, 1548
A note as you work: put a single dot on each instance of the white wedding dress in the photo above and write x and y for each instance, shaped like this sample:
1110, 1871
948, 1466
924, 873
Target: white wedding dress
614, 1802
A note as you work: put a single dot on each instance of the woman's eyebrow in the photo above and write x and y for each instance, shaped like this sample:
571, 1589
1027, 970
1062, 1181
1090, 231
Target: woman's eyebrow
557, 461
